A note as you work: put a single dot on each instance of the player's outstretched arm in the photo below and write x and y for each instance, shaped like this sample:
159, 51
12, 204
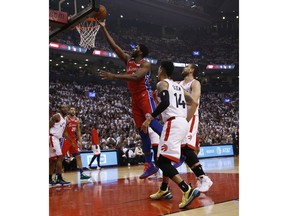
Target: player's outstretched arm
121, 54
140, 73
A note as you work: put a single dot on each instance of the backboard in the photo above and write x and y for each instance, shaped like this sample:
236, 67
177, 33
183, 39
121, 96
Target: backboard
66, 14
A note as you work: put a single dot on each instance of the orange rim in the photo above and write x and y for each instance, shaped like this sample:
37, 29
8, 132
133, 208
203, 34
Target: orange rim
90, 19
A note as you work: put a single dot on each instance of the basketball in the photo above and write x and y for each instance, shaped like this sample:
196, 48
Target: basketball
102, 13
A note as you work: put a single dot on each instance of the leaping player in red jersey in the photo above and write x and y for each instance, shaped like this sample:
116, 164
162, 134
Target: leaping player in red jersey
137, 75
73, 128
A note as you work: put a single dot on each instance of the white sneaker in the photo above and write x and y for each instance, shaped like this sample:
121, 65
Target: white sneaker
159, 174
204, 183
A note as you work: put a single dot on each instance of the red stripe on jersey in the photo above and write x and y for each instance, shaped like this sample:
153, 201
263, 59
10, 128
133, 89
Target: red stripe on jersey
197, 141
192, 124
192, 147
167, 130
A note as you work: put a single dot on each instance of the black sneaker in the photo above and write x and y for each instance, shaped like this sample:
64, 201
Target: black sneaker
60, 181
52, 183
84, 177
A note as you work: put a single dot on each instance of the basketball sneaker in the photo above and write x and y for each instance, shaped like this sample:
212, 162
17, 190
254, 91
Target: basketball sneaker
162, 194
89, 168
52, 183
84, 177
157, 175
149, 169
189, 196
181, 161
60, 181
204, 183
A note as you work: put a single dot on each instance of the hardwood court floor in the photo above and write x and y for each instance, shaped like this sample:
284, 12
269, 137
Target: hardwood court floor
119, 191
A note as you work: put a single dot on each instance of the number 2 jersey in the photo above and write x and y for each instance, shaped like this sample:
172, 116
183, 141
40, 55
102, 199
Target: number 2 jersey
177, 106
71, 126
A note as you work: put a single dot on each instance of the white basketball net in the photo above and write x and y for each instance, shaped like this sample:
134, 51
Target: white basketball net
88, 30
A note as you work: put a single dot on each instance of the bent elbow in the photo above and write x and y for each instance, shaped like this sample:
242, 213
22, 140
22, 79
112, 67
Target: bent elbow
166, 104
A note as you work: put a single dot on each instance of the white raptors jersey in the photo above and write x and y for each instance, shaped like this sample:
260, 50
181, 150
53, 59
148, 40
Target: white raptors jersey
58, 128
187, 88
177, 106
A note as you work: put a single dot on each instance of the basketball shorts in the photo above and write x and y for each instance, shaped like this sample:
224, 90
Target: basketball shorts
142, 104
54, 147
154, 137
174, 131
67, 146
191, 139
95, 150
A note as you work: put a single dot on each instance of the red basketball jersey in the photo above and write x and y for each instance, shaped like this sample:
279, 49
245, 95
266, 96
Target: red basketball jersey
95, 138
141, 85
71, 126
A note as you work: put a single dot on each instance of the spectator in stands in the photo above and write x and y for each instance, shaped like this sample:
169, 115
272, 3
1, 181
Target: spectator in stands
139, 155
215, 115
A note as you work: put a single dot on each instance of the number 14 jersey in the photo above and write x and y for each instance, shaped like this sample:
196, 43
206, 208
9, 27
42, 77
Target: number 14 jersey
177, 106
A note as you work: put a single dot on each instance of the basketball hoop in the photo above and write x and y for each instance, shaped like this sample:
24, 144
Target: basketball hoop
88, 30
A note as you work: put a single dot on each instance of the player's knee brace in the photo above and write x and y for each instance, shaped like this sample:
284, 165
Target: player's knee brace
198, 170
165, 165
191, 157
146, 142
